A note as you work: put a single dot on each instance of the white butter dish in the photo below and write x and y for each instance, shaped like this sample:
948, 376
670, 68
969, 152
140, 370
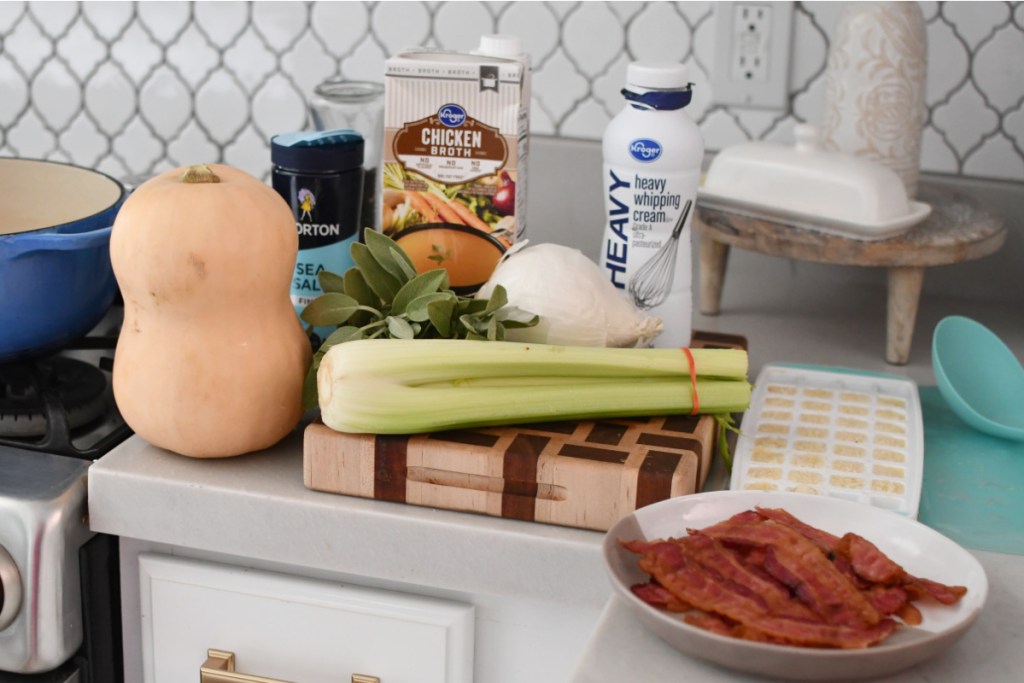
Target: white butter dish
808, 187
831, 432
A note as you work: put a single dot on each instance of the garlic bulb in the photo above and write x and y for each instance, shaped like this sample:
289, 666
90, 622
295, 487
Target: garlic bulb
576, 303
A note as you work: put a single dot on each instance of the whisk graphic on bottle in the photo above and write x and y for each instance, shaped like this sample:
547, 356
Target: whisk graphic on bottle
650, 285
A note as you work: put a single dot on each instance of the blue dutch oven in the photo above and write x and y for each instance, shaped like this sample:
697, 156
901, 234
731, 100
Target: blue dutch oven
56, 282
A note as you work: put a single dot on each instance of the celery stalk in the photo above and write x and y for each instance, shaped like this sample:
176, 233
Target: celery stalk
395, 386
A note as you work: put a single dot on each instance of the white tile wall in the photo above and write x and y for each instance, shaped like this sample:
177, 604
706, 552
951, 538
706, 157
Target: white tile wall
133, 88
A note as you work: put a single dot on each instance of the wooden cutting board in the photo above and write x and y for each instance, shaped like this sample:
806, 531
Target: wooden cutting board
586, 474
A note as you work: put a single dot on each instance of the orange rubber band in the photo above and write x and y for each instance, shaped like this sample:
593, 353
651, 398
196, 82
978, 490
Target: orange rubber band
693, 379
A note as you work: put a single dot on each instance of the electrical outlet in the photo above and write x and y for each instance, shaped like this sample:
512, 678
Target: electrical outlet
751, 36
752, 53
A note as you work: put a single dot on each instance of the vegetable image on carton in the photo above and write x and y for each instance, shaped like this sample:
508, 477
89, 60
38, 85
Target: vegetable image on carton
455, 147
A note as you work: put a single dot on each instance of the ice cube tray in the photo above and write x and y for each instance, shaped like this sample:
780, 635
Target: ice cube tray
834, 432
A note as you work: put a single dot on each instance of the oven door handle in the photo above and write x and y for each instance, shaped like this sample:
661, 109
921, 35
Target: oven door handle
219, 667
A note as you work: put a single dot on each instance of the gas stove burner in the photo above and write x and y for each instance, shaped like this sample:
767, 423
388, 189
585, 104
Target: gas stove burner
34, 394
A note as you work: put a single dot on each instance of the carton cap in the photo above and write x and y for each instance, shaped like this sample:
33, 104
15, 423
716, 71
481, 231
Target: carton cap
657, 75
500, 45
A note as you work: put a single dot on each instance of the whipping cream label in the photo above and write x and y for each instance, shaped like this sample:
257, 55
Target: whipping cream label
647, 231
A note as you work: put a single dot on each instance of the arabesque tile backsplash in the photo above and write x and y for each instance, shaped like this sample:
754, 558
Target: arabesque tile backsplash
134, 88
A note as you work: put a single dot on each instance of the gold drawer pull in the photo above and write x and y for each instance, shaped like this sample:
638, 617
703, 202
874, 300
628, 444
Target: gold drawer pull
219, 667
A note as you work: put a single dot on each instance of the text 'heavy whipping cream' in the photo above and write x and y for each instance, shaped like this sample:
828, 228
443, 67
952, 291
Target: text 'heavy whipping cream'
652, 164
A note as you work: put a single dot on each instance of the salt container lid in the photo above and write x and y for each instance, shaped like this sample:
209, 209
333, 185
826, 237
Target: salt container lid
319, 151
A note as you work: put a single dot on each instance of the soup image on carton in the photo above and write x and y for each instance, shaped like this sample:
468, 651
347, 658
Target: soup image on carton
455, 148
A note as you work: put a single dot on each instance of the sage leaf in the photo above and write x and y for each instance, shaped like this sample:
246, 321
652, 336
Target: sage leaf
384, 284
342, 335
331, 282
388, 255
417, 308
492, 329
356, 287
440, 313
513, 317
427, 283
499, 297
329, 309
405, 265
399, 328
474, 323
472, 306
310, 395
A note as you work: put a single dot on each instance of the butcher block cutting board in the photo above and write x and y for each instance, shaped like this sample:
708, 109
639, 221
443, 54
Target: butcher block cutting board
585, 474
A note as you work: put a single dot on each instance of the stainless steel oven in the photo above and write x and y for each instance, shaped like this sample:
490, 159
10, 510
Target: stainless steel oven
59, 586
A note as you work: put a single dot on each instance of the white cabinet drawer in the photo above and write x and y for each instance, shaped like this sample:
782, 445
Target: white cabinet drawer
295, 628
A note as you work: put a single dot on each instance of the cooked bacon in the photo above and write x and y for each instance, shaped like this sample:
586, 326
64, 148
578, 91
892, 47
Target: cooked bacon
886, 599
947, 595
910, 615
824, 635
691, 583
657, 596
822, 539
714, 557
710, 622
868, 561
799, 564
745, 517
764, 575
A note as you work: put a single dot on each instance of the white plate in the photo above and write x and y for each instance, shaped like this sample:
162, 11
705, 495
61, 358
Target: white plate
868, 232
919, 549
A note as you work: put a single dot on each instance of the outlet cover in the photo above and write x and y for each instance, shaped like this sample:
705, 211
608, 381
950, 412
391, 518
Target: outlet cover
752, 49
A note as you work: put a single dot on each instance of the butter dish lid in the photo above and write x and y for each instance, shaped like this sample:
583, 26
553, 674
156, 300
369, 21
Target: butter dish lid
809, 187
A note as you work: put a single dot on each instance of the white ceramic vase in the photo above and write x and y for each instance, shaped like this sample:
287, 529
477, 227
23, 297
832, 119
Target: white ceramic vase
874, 86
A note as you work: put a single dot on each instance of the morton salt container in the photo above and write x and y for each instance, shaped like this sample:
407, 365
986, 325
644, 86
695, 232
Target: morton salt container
652, 163
320, 175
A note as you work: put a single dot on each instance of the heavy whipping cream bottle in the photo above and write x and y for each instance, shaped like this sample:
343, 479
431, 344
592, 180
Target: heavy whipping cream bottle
652, 164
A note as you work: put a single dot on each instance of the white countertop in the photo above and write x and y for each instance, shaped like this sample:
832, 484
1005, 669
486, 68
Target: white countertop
256, 506
622, 650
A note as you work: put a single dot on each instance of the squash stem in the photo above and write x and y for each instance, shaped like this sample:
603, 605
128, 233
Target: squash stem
200, 173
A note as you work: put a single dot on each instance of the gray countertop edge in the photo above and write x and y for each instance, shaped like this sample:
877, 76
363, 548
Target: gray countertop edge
256, 506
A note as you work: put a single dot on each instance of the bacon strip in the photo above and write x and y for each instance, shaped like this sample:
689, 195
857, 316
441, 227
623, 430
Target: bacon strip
825, 635
714, 557
822, 539
887, 599
764, 575
869, 562
656, 596
799, 564
947, 595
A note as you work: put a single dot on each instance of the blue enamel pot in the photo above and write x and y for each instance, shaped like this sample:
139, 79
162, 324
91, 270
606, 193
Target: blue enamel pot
56, 282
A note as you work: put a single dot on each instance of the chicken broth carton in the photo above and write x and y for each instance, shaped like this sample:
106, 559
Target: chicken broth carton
455, 148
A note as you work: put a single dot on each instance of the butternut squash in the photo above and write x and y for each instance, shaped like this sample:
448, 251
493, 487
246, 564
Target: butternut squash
211, 356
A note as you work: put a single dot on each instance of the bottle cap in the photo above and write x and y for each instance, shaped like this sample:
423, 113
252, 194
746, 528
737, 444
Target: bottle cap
500, 45
657, 75
323, 151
